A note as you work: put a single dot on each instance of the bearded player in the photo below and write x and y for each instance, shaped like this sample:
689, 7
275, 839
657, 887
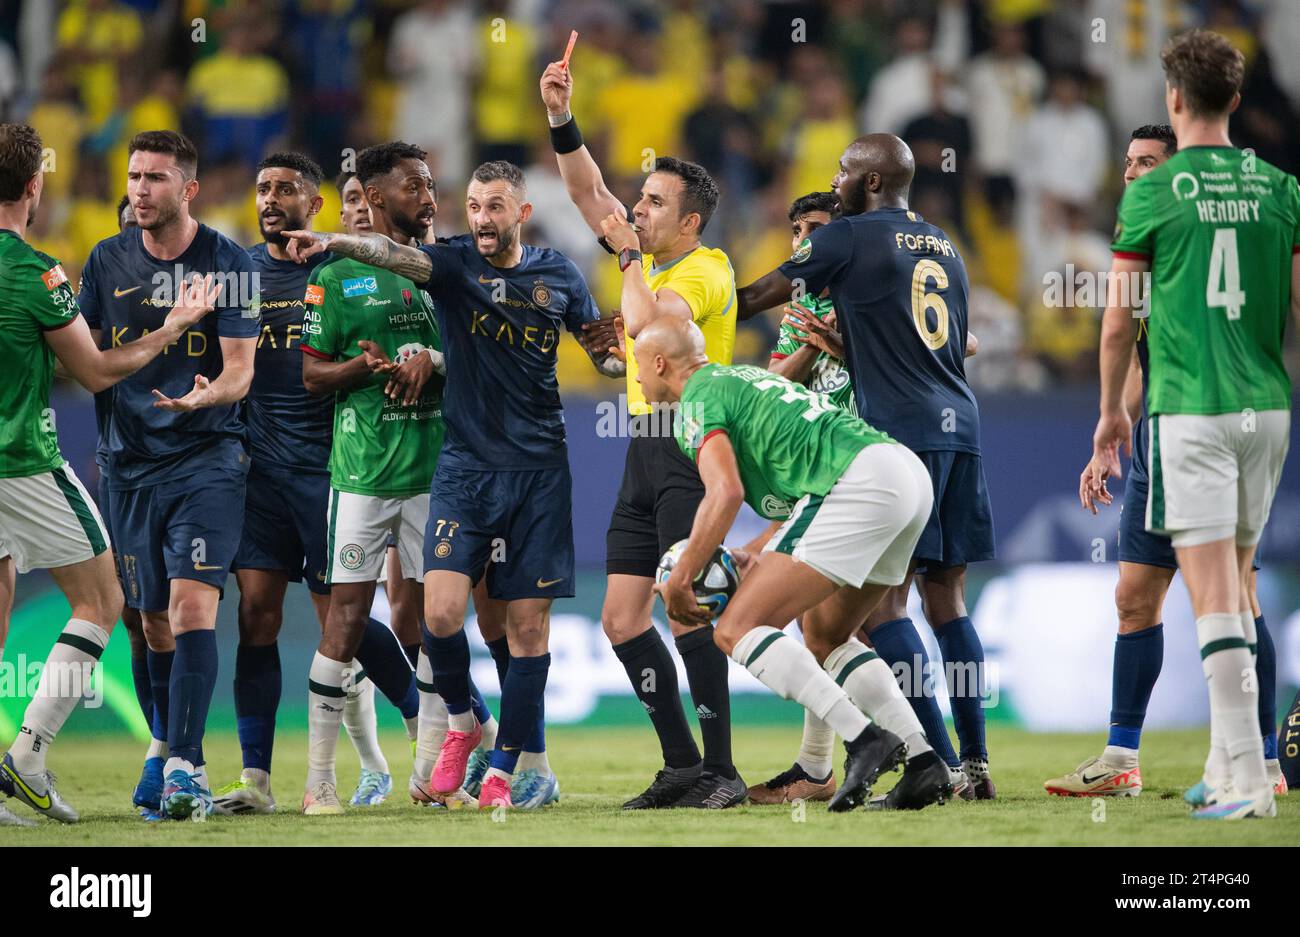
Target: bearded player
501, 497
900, 292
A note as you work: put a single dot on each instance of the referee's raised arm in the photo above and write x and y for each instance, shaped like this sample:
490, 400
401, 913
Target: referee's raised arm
581, 175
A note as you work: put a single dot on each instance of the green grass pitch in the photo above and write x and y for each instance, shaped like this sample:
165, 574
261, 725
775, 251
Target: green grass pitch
599, 768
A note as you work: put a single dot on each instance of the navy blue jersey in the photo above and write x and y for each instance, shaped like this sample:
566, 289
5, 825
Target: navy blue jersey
500, 328
125, 292
287, 426
900, 291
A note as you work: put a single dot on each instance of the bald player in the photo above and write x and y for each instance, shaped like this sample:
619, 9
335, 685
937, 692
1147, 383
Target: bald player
900, 292
860, 501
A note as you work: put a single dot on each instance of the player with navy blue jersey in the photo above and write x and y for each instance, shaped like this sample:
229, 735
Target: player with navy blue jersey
501, 495
1147, 564
148, 791
900, 291
176, 456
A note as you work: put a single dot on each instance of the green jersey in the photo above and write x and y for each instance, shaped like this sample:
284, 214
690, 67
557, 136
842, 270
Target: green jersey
789, 442
1218, 226
380, 447
35, 298
829, 375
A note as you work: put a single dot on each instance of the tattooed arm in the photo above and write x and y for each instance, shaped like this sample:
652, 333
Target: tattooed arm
374, 249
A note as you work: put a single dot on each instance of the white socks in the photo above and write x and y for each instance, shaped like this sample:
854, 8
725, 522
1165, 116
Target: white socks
433, 722
871, 685
1119, 756
816, 747
790, 671
535, 760
360, 721
1229, 671
67, 675
325, 701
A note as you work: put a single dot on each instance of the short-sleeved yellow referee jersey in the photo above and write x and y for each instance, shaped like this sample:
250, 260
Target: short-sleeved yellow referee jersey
705, 280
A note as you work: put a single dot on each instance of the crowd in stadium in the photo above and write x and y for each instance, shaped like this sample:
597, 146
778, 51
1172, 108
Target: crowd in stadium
1017, 111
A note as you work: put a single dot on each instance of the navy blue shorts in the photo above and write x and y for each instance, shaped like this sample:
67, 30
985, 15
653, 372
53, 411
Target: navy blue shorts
183, 529
960, 530
285, 525
518, 524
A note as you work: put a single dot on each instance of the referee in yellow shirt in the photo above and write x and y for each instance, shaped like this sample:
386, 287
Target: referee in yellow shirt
666, 272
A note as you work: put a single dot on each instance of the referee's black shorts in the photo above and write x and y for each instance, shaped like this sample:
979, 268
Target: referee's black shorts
656, 506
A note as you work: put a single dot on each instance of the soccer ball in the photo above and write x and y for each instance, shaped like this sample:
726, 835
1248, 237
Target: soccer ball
714, 586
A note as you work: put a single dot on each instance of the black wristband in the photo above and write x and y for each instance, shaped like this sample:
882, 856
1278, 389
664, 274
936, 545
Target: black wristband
566, 138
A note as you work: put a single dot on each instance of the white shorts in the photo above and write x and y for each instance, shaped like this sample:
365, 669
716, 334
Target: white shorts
1214, 477
49, 520
359, 526
865, 529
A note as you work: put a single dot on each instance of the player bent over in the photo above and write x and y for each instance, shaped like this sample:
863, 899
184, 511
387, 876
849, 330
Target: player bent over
858, 502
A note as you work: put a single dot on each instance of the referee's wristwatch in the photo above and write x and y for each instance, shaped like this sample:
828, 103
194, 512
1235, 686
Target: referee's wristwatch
626, 256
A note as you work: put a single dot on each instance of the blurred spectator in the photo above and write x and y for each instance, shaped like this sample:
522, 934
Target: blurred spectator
93, 213
58, 118
857, 35
9, 81
144, 103
644, 108
102, 33
1280, 33
505, 103
817, 140
724, 140
941, 145
1063, 161
901, 90
432, 55
240, 95
1123, 52
325, 38
1004, 85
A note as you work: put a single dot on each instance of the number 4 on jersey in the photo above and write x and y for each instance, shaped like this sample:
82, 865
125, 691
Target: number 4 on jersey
1223, 267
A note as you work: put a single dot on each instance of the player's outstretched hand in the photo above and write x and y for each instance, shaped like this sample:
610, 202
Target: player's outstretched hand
1092, 486
303, 245
1114, 432
679, 600
557, 88
198, 298
376, 360
409, 379
200, 396
818, 333
605, 336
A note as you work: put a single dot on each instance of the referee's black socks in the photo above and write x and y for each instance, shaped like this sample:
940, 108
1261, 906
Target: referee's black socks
654, 679
706, 674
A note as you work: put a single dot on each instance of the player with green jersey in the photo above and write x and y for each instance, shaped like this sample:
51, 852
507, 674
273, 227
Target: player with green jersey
800, 356
854, 503
1219, 231
382, 446
370, 337
47, 519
